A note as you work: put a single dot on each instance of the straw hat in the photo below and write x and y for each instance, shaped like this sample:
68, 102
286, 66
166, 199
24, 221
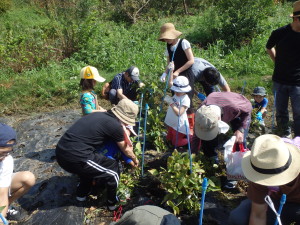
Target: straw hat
126, 110
181, 84
271, 162
90, 72
168, 31
296, 11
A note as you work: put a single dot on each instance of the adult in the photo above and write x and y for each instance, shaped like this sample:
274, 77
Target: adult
76, 150
272, 167
124, 85
213, 116
12, 185
208, 76
179, 55
283, 47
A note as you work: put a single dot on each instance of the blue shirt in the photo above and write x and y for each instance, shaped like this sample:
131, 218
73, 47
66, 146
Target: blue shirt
112, 151
262, 104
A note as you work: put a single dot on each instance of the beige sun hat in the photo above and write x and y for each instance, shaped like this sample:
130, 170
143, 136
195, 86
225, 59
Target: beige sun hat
126, 110
90, 72
207, 122
168, 31
296, 10
271, 162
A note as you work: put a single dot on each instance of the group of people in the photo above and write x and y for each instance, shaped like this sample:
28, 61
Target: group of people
91, 146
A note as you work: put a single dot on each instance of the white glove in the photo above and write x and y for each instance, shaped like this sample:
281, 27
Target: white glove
168, 99
171, 66
163, 77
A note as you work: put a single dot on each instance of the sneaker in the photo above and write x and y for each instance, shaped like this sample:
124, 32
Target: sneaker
83, 190
81, 199
112, 206
13, 214
289, 136
230, 184
262, 122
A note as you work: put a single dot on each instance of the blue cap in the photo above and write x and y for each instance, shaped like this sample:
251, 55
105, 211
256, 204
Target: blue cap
7, 134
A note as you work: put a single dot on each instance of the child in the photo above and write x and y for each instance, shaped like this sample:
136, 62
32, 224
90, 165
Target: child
180, 59
112, 150
260, 103
12, 185
88, 98
178, 105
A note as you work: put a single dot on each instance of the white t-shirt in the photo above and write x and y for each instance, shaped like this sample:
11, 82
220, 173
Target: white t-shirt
184, 44
172, 119
6, 171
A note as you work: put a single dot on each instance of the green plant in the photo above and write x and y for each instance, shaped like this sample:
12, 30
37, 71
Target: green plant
5, 5
128, 180
183, 188
241, 20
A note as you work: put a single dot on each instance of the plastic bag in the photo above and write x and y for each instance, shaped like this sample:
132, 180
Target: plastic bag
233, 159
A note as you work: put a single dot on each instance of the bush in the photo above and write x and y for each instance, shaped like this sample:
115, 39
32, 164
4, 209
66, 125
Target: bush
183, 188
241, 20
235, 22
5, 5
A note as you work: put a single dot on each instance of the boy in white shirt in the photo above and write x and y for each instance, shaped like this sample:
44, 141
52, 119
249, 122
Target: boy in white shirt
12, 185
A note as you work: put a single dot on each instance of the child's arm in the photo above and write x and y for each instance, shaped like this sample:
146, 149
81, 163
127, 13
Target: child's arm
263, 107
262, 110
178, 111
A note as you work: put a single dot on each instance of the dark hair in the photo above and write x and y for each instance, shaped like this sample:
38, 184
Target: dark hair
211, 76
86, 84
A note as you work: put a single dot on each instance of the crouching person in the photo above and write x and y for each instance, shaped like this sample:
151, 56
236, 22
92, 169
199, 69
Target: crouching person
12, 185
273, 168
76, 150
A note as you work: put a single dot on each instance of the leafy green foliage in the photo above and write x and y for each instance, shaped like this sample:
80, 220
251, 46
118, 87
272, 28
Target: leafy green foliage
235, 22
128, 180
5, 5
183, 188
1, 208
36, 38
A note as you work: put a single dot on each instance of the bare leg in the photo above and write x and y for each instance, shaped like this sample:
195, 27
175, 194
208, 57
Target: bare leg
20, 184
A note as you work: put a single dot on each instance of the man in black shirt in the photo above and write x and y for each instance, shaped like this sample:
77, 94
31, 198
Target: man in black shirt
76, 150
283, 47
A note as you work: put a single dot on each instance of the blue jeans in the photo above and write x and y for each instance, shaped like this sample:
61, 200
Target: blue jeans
290, 213
283, 93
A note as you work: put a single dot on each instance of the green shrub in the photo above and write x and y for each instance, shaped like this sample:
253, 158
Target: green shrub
183, 188
5, 5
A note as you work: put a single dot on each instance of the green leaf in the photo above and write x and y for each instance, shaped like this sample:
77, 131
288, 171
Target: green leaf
1, 208
154, 172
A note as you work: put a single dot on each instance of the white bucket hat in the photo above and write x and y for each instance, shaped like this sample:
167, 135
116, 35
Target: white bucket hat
271, 162
181, 84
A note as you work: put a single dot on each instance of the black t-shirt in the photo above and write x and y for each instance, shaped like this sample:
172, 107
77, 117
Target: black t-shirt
91, 131
287, 60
